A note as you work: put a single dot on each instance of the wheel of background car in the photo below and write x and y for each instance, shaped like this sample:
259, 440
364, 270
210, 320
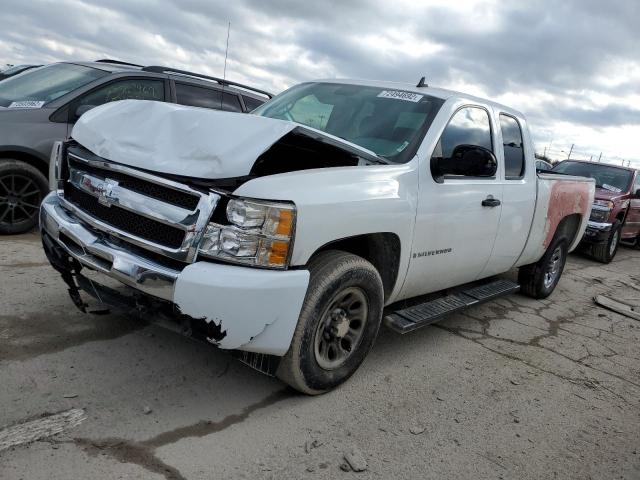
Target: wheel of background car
540, 279
22, 188
338, 323
605, 252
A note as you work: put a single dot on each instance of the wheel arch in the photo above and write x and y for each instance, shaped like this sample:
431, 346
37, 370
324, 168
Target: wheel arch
569, 227
381, 249
26, 155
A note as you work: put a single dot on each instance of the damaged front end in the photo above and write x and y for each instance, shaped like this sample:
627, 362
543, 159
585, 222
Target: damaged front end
132, 239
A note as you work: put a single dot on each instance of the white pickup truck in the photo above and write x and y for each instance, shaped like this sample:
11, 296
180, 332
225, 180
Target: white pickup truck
289, 235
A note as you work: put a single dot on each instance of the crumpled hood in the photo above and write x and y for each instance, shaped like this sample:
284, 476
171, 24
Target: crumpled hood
178, 140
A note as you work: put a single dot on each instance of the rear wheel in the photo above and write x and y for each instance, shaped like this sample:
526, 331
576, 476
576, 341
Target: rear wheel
606, 251
338, 323
539, 279
22, 188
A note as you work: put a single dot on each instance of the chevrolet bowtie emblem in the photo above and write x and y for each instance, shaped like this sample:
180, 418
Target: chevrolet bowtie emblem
107, 192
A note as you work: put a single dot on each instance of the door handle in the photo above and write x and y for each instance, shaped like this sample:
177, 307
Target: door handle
490, 202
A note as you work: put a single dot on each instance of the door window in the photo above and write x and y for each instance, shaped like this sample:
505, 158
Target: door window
468, 128
135, 88
196, 96
513, 147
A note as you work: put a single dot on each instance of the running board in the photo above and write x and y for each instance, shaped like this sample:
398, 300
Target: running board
412, 318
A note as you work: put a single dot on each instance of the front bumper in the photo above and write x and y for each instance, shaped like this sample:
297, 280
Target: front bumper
596, 232
255, 310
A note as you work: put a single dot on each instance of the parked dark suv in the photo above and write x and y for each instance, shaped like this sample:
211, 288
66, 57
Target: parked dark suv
40, 106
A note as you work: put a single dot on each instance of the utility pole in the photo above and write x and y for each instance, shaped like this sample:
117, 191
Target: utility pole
571, 150
591, 158
600, 157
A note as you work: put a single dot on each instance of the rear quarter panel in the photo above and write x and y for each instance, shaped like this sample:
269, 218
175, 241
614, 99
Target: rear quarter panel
558, 197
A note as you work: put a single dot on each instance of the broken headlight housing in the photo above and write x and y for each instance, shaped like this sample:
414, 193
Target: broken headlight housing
260, 233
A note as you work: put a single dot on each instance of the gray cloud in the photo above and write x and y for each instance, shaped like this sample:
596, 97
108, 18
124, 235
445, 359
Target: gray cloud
567, 50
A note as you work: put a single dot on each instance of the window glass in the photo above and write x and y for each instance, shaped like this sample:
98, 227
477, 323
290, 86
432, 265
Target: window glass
45, 84
390, 123
231, 102
469, 127
608, 177
195, 96
252, 103
132, 89
513, 147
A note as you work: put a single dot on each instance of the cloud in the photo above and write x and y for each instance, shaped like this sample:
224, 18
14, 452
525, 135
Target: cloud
563, 64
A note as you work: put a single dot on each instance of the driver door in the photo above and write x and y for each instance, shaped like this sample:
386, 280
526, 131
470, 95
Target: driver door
457, 215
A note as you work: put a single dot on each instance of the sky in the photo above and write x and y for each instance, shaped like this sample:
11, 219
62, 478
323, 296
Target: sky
572, 66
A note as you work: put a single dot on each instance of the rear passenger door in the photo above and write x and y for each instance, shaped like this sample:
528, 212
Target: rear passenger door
205, 97
519, 185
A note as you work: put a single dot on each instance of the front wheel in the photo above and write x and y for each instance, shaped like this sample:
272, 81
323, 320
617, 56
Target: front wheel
338, 323
606, 251
539, 279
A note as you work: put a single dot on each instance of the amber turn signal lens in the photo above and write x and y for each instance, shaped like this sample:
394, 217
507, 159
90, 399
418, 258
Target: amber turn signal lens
285, 223
279, 252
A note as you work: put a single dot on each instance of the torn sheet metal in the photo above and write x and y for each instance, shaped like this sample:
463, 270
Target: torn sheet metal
247, 304
175, 139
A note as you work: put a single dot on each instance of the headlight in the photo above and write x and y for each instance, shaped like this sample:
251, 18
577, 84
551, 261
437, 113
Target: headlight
600, 211
604, 203
260, 234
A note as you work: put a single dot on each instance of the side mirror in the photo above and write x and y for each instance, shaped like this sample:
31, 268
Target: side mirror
82, 109
637, 194
468, 161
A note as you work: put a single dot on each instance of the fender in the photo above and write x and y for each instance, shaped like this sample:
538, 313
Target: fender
343, 202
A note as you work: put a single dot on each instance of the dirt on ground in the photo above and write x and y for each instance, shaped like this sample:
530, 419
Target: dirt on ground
513, 389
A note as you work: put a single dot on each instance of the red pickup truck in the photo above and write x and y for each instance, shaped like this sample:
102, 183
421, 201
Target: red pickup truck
615, 214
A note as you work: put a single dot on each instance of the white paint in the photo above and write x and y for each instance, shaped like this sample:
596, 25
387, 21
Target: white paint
246, 302
44, 427
175, 139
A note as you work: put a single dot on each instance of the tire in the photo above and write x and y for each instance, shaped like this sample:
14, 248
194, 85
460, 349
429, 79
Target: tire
539, 279
22, 188
606, 251
342, 310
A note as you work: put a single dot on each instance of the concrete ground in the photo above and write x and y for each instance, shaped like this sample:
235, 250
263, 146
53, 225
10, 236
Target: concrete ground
514, 389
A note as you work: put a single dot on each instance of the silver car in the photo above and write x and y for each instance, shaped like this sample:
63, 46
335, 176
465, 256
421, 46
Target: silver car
40, 106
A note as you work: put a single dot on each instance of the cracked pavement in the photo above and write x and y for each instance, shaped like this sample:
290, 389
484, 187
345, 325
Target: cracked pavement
515, 388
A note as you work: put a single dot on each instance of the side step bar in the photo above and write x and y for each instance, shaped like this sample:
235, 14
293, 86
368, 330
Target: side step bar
412, 318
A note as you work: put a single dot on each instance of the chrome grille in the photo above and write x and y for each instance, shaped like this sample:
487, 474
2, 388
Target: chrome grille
146, 210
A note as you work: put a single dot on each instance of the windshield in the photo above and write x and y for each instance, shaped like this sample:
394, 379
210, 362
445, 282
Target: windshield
43, 85
608, 177
390, 123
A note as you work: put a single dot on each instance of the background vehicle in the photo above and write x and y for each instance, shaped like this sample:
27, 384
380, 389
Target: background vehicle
15, 70
290, 241
615, 214
42, 106
542, 165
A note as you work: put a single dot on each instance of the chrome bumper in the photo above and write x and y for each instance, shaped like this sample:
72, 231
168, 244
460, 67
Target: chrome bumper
98, 254
601, 227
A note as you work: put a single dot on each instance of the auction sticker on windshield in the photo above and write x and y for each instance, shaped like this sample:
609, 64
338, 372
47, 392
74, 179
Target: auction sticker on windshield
27, 104
399, 95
